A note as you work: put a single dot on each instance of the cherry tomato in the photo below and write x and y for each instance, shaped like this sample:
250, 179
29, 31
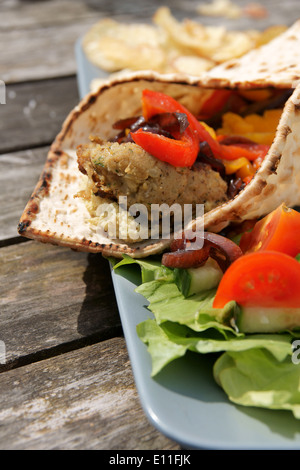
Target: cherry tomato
278, 231
261, 279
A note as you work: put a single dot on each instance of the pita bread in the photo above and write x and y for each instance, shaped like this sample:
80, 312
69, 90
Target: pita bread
54, 215
274, 64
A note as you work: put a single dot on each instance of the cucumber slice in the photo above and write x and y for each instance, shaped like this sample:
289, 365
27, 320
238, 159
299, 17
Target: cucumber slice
267, 320
194, 280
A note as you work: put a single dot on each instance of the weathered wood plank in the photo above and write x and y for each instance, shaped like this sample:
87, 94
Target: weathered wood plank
85, 399
33, 14
34, 112
39, 53
19, 173
37, 39
51, 298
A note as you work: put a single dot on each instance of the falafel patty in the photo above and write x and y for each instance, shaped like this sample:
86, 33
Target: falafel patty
126, 169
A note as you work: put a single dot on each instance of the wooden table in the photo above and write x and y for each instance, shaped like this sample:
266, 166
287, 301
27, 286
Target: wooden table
65, 380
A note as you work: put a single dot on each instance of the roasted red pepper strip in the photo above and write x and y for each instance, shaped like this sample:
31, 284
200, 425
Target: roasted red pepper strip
181, 152
155, 103
215, 103
249, 151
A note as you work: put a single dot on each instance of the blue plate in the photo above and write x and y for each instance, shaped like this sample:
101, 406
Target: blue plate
183, 401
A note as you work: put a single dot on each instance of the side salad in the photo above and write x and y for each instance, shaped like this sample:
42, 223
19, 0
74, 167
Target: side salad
238, 299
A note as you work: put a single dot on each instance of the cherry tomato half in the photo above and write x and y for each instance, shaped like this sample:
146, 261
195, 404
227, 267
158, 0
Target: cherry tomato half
278, 231
261, 279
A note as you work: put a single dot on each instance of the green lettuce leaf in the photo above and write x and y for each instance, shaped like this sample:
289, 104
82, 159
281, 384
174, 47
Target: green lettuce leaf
253, 370
167, 303
161, 349
151, 268
168, 341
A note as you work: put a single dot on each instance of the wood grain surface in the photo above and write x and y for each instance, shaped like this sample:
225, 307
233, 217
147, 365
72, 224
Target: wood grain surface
37, 38
84, 399
51, 298
35, 111
66, 382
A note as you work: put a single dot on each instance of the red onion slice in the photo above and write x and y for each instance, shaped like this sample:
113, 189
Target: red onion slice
220, 248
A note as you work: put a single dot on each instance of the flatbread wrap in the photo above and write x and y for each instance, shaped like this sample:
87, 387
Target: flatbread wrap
87, 165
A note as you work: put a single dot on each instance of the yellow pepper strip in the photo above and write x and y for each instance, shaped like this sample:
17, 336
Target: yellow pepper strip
209, 129
232, 166
259, 129
256, 121
242, 167
265, 138
271, 118
256, 95
232, 123
245, 171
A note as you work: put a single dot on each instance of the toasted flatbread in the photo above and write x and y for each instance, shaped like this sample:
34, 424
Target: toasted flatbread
54, 214
275, 64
